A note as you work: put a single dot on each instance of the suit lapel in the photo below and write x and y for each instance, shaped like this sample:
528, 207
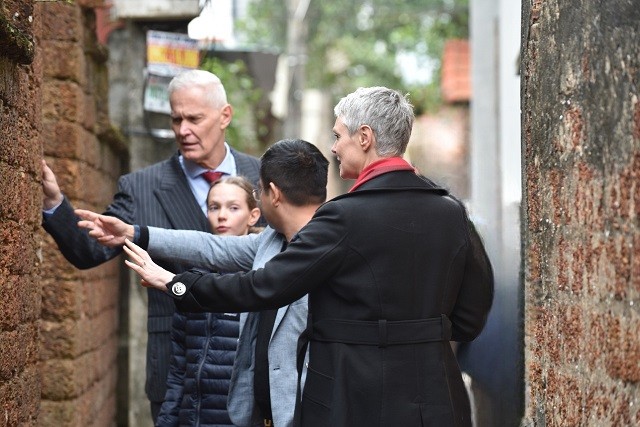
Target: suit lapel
279, 315
177, 200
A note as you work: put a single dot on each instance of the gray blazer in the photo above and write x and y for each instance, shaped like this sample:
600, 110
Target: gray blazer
158, 195
231, 253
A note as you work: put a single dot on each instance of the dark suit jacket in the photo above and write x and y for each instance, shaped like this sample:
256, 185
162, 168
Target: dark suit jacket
159, 196
394, 271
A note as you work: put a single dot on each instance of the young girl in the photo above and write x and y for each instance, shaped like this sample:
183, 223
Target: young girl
232, 209
204, 344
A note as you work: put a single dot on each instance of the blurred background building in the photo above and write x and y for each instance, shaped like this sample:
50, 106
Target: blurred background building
495, 359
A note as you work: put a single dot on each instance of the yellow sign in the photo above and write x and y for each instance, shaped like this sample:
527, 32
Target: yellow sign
188, 58
169, 53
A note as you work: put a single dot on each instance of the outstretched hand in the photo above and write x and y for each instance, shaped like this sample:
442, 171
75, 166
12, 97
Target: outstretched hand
153, 276
107, 230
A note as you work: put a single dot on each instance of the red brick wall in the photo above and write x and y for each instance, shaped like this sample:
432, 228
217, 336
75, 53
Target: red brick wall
581, 147
58, 328
20, 205
456, 71
79, 308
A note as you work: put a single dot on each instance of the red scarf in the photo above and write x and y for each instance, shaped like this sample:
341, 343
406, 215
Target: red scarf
379, 167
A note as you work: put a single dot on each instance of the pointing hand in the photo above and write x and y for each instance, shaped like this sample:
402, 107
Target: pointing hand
107, 230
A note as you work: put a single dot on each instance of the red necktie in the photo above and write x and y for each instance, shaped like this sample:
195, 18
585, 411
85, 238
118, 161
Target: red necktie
212, 176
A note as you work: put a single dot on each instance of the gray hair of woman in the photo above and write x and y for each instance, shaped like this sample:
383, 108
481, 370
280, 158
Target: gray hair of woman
386, 111
207, 81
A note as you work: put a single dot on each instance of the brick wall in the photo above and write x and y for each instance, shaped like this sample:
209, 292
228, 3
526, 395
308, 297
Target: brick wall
20, 202
79, 308
58, 329
581, 147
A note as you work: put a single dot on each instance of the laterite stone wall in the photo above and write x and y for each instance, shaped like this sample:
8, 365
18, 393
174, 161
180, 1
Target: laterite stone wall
58, 325
581, 229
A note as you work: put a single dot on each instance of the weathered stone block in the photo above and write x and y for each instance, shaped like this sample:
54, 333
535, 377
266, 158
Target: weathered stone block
18, 350
69, 66
62, 100
61, 21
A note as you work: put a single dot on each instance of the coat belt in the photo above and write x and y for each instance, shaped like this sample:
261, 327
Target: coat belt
382, 332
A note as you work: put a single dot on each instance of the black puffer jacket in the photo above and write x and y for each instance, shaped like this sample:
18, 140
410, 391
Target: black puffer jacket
203, 350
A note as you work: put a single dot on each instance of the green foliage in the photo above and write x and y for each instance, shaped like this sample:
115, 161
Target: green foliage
425, 98
354, 43
245, 131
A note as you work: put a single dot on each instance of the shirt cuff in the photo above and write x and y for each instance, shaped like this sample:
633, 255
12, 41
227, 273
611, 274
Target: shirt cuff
48, 212
141, 236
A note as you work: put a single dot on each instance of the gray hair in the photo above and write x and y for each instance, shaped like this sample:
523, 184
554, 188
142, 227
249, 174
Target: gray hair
387, 112
209, 82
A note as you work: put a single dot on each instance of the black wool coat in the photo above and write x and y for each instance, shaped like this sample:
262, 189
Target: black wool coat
394, 271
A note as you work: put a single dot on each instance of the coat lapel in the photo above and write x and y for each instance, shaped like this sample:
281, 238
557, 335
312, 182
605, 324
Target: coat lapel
240, 403
177, 200
279, 315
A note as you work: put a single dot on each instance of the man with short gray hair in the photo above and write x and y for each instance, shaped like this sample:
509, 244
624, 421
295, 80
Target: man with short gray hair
169, 194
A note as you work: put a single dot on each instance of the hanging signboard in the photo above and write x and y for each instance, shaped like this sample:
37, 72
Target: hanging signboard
156, 97
168, 54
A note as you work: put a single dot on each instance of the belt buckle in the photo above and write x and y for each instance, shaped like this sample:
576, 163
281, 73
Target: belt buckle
267, 422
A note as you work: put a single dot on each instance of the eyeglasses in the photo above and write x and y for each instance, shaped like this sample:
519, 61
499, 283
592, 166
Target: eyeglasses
257, 192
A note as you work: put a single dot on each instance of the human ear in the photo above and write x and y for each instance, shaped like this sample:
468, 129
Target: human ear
226, 114
254, 215
365, 135
275, 194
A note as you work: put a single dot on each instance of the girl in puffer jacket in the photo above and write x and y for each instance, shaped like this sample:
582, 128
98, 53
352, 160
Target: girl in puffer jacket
204, 344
